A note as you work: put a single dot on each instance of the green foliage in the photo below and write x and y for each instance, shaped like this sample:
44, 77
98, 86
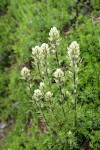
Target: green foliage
96, 4
26, 24
3, 6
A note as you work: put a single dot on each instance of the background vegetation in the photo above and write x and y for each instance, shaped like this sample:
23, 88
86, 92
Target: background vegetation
24, 24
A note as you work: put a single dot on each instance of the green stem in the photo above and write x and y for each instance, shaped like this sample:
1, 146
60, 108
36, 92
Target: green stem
75, 106
46, 119
39, 68
56, 55
57, 60
55, 116
45, 65
61, 95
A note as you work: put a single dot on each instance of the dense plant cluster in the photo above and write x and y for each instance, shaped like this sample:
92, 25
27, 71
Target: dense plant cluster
24, 25
53, 94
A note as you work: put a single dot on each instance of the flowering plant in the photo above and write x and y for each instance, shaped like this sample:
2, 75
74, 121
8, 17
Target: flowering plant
55, 103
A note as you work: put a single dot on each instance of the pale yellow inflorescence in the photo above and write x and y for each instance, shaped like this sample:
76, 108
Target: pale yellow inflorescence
37, 94
42, 85
39, 53
44, 49
54, 34
36, 51
25, 72
48, 95
73, 52
58, 73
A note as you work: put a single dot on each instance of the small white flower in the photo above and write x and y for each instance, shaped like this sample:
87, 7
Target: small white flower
44, 49
37, 94
73, 51
25, 72
48, 95
53, 52
36, 51
69, 133
58, 73
54, 34
74, 45
42, 86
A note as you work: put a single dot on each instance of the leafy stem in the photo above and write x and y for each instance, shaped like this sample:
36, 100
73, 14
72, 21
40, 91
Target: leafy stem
61, 96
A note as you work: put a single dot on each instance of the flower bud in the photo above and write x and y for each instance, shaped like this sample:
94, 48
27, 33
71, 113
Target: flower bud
73, 52
37, 94
25, 72
42, 86
69, 133
54, 52
36, 52
54, 34
58, 73
44, 49
48, 95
